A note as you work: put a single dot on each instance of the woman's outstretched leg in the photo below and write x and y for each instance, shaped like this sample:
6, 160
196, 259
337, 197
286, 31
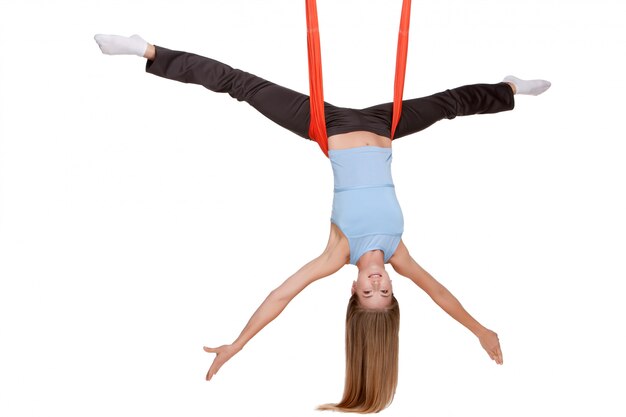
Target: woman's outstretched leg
420, 113
283, 106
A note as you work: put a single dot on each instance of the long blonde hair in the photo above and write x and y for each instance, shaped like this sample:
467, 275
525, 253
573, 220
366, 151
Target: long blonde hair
371, 358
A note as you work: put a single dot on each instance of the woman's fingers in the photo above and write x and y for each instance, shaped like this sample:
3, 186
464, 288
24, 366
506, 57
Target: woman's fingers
498, 351
217, 362
212, 371
213, 368
499, 359
496, 355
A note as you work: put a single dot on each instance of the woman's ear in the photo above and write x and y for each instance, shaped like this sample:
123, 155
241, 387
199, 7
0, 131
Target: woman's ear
353, 287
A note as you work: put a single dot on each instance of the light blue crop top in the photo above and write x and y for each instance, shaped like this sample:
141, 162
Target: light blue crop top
365, 206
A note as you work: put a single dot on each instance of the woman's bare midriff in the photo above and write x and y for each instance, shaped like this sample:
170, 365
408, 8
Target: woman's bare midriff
356, 139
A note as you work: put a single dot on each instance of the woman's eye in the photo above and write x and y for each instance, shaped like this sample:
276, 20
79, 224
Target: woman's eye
367, 292
385, 291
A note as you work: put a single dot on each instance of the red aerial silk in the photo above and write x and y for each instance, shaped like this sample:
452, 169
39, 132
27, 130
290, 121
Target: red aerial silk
317, 126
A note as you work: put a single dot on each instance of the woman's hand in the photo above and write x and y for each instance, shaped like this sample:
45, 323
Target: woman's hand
490, 342
223, 354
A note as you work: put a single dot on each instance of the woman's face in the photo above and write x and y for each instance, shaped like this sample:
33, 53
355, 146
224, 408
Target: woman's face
373, 287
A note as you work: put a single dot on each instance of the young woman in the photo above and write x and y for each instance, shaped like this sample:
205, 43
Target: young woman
366, 224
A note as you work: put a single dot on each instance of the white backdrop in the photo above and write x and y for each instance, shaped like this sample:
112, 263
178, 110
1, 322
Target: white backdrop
141, 219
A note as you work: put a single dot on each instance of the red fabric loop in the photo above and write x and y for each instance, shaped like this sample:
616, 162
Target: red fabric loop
317, 126
403, 46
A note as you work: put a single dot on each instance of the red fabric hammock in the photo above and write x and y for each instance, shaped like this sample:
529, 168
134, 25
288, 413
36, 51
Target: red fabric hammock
317, 127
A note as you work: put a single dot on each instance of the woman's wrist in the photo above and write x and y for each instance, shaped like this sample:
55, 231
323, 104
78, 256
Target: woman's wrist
238, 345
480, 330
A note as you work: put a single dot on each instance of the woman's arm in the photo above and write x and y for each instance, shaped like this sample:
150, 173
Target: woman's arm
334, 257
405, 265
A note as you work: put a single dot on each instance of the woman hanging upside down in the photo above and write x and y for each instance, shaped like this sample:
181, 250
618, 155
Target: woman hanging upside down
366, 224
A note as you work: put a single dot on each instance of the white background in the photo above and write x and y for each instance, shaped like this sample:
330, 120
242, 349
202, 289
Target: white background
141, 219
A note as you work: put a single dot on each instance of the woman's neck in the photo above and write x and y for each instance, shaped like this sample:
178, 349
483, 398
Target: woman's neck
371, 259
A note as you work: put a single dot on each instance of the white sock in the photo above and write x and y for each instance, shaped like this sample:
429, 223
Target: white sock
530, 87
121, 45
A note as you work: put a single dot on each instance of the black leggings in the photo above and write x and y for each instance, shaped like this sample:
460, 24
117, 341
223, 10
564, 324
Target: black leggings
291, 109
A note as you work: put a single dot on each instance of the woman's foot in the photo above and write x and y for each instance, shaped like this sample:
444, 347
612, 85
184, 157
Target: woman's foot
530, 87
122, 45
